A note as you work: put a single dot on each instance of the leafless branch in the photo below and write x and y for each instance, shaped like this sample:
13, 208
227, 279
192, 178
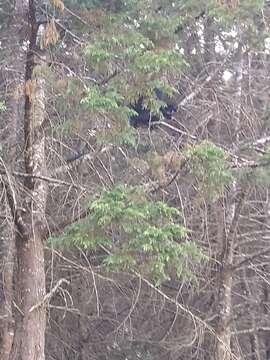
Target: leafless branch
48, 296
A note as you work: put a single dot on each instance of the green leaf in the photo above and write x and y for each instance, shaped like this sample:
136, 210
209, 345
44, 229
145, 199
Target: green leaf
136, 229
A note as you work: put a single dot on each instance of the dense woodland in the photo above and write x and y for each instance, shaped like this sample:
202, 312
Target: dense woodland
134, 180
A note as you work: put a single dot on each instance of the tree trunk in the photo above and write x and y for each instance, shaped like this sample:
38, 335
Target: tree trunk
265, 288
30, 291
30, 317
223, 330
12, 76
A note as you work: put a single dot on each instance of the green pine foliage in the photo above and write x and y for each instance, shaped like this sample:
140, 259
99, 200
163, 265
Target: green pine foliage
134, 52
261, 174
113, 5
2, 106
208, 167
140, 235
111, 102
134, 55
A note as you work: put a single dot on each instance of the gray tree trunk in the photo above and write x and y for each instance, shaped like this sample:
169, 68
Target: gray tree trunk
30, 311
223, 348
12, 73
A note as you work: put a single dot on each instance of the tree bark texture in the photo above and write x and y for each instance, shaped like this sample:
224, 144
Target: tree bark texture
12, 75
223, 349
30, 316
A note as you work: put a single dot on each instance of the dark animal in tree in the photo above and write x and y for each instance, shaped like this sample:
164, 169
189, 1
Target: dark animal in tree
144, 116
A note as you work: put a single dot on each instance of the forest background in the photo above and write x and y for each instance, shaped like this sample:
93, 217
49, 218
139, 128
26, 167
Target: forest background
134, 243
